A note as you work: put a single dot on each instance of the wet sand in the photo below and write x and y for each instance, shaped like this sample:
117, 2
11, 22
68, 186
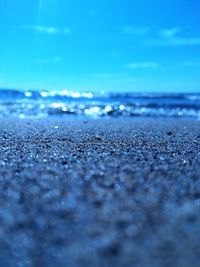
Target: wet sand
105, 192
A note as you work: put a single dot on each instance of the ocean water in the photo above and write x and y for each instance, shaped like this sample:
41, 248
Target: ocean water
31, 104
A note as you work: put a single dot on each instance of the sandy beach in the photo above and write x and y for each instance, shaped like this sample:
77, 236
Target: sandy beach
105, 192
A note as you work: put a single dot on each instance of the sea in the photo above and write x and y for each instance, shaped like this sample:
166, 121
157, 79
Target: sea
43, 103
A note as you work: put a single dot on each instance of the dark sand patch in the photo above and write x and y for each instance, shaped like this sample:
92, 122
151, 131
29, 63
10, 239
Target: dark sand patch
107, 192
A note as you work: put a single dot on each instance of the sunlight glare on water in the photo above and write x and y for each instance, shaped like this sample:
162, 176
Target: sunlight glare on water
58, 103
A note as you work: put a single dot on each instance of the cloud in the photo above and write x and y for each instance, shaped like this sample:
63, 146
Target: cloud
176, 41
142, 65
195, 64
169, 37
43, 61
129, 30
168, 33
47, 29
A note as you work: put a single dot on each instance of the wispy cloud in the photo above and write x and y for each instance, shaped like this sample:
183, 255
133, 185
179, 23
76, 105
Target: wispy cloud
195, 64
127, 29
47, 29
170, 37
176, 41
142, 65
169, 33
45, 61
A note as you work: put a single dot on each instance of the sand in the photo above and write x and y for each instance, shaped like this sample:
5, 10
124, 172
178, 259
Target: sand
104, 192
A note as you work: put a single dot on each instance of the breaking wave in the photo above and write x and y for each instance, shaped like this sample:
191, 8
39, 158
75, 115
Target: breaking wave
26, 104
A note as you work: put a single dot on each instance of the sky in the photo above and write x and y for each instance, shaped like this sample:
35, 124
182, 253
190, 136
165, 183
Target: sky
100, 45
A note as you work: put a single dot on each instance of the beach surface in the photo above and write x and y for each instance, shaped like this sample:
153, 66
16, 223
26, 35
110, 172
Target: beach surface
99, 192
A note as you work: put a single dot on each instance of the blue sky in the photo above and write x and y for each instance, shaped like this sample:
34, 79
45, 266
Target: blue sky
102, 45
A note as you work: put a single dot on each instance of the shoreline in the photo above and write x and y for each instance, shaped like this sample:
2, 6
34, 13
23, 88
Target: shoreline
100, 192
